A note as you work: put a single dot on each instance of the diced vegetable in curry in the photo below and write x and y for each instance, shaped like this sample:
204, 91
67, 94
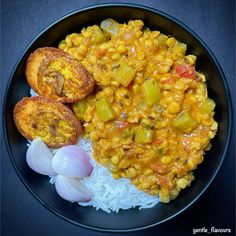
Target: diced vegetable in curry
150, 118
79, 109
104, 110
151, 92
184, 122
143, 136
123, 74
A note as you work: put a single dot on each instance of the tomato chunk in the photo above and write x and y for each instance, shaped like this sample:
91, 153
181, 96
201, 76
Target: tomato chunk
185, 71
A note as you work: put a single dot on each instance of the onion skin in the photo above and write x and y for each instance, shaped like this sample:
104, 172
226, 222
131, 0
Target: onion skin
72, 161
71, 189
39, 158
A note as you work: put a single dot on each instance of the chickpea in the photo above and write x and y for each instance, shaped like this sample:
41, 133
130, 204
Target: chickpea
131, 172
86, 33
168, 61
121, 49
121, 93
109, 94
152, 179
137, 166
146, 122
211, 134
116, 175
68, 41
148, 43
62, 46
105, 81
148, 172
171, 42
115, 84
116, 109
136, 88
104, 161
78, 40
103, 47
139, 186
190, 59
166, 159
139, 78
115, 159
164, 196
88, 113
145, 185
124, 164
72, 51
173, 107
182, 183
164, 69
201, 76
93, 59
140, 150
94, 136
155, 191
159, 57
174, 193
123, 174
82, 49
88, 127
214, 126
135, 181
115, 57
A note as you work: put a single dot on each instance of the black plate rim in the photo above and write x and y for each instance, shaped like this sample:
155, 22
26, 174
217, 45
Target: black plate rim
185, 27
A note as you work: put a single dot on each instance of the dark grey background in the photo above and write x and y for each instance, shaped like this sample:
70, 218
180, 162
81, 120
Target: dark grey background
21, 21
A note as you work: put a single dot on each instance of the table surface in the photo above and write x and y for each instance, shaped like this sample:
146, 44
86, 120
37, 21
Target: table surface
22, 20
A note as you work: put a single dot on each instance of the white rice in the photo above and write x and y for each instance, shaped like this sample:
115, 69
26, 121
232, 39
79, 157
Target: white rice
109, 194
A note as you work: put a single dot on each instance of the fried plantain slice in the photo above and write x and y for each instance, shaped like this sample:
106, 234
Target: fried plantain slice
52, 121
55, 74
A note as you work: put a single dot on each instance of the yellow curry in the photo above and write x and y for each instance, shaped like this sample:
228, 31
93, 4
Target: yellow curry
150, 118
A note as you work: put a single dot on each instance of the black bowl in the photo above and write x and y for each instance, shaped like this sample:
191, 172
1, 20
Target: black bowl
133, 219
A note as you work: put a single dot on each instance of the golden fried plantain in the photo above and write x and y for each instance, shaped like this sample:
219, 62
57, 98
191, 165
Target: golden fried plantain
55, 74
52, 121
